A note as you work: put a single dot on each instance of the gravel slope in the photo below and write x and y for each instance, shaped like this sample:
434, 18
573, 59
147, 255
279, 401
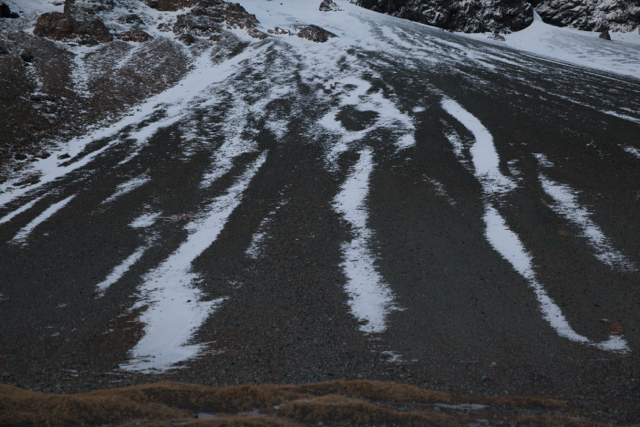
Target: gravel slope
299, 212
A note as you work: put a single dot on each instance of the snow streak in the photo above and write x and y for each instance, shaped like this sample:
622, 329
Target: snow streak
370, 298
175, 307
486, 164
120, 270
507, 244
127, 187
567, 205
23, 234
20, 210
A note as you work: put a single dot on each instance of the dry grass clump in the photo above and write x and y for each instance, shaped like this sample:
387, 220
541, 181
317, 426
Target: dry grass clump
331, 403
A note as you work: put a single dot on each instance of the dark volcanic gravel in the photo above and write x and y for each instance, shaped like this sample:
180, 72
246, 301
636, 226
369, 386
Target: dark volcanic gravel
467, 322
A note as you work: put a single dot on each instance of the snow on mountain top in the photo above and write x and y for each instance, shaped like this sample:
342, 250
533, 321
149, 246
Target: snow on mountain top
621, 55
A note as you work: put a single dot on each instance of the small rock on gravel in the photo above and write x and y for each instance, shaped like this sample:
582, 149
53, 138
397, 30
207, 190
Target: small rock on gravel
27, 56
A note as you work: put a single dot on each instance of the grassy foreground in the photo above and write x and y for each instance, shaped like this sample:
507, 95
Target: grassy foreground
329, 403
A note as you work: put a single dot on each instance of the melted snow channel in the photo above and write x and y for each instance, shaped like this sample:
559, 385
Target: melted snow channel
567, 205
24, 233
175, 309
370, 298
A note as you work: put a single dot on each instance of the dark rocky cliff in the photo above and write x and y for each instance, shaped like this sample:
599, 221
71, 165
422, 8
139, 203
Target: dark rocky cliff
504, 16
592, 15
459, 15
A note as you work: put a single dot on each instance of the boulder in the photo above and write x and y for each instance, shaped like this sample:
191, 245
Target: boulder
137, 36
27, 56
93, 32
592, 15
211, 16
605, 35
237, 17
196, 24
187, 39
257, 34
279, 31
133, 19
329, 6
58, 26
5, 12
469, 16
314, 33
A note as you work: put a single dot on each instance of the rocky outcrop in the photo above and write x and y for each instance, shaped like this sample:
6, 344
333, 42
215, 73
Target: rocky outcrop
58, 26
469, 16
314, 33
169, 5
329, 6
5, 12
137, 36
211, 17
82, 8
592, 15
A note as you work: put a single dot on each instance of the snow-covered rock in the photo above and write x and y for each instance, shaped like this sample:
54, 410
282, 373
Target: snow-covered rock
329, 6
469, 16
314, 33
592, 15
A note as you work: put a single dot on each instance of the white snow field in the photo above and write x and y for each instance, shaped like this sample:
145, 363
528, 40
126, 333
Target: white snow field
620, 55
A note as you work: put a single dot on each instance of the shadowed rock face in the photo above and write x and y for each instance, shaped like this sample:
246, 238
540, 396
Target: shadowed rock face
5, 12
476, 16
592, 15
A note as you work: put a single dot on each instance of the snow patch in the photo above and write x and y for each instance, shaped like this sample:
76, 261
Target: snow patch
629, 149
191, 91
147, 219
127, 187
256, 248
543, 161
